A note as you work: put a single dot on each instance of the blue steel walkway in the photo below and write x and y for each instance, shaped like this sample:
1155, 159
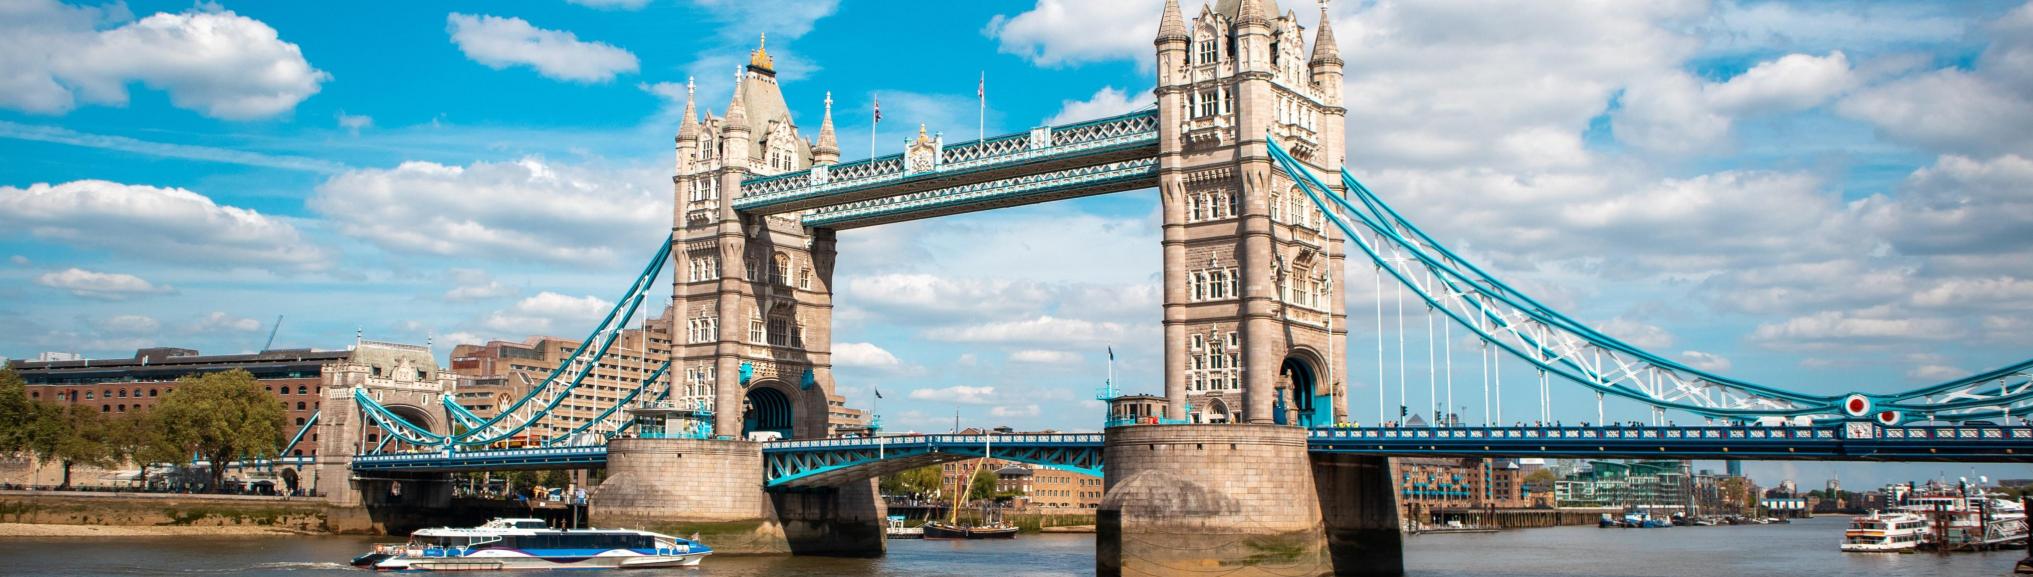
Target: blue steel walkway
836, 461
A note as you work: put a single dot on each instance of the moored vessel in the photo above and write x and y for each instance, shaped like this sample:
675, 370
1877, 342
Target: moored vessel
504, 544
1884, 533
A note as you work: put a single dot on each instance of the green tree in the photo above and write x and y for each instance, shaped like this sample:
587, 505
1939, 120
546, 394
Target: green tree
915, 482
982, 486
1541, 481
219, 417
16, 412
71, 435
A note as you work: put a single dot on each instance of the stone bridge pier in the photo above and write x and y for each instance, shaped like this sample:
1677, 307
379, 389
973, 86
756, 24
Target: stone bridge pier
1242, 500
406, 380
714, 488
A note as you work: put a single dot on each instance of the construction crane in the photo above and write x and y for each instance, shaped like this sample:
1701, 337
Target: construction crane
271, 334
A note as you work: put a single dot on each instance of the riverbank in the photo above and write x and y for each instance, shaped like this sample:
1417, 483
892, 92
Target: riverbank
34, 530
198, 514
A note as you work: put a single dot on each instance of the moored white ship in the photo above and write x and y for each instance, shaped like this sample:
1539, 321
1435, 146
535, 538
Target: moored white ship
1884, 533
529, 544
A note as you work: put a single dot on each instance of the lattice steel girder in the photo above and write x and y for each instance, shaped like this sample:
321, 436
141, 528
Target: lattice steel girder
1851, 441
508, 459
1031, 189
839, 461
1103, 141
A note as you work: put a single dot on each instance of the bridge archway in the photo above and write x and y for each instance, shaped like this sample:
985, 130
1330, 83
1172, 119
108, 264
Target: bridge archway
406, 412
1215, 412
767, 408
1305, 397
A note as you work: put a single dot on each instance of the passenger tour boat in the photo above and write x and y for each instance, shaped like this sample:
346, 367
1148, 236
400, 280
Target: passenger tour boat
530, 544
1884, 533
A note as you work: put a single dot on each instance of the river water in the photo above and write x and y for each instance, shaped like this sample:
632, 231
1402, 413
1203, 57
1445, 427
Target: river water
1802, 549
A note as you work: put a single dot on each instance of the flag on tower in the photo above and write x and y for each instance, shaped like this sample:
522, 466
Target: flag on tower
981, 89
1111, 353
878, 392
878, 108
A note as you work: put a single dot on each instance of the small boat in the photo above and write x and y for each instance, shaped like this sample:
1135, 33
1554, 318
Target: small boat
897, 530
529, 544
944, 530
951, 528
1884, 533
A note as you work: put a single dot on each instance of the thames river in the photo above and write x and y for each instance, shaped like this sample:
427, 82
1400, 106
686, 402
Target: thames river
1803, 549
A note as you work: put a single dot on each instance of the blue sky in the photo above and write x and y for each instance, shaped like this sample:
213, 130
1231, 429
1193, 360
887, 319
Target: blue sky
1824, 195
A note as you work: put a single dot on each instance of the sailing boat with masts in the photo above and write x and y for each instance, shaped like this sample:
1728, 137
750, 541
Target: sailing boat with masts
992, 528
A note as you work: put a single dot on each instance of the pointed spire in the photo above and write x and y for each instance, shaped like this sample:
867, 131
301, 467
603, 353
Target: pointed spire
1324, 49
688, 127
737, 113
827, 140
760, 59
1251, 11
1171, 26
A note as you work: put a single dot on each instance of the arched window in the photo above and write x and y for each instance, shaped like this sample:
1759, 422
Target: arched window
123, 408
105, 408
299, 405
35, 395
123, 393
151, 393
781, 273
302, 390
88, 395
299, 421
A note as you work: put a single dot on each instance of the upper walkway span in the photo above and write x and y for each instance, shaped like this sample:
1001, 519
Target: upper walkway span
1045, 163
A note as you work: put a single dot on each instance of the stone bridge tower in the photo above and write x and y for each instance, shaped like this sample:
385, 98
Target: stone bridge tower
752, 329
1254, 323
1255, 330
408, 381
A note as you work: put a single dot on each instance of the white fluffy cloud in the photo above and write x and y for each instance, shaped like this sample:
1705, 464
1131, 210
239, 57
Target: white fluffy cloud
475, 284
1982, 111
1638, 333
1044, 357
547, 312
864, 355
99, 285
1109, 101
220, 322
209, 60
158, 223
503, 42
524, 210
1043, 329
961, 394
130, 324
1061, 32
1013, 411
1675, 112
1710, 362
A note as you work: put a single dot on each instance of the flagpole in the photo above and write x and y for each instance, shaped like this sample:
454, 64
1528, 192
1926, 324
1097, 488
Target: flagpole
874, 118
981, 91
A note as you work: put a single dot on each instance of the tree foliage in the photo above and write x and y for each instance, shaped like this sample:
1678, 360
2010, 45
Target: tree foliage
71, 435
917, 482
219, 417
16, 412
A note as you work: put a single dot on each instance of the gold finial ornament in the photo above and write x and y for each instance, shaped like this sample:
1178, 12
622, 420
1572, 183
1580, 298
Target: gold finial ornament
760, 58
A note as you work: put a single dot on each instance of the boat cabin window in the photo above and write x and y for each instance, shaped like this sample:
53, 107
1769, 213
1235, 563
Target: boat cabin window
579, 541
529, 524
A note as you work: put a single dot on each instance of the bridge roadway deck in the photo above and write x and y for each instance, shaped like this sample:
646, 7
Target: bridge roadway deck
832, 461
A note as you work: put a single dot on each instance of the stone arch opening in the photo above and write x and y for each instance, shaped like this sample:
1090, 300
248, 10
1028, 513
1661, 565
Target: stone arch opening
1217, 412
1306, 405
767, 410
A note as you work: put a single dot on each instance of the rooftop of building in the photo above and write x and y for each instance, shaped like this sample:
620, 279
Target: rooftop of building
178, 358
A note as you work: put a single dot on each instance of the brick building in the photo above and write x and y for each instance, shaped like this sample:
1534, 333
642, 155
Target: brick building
1429, 483
134, 384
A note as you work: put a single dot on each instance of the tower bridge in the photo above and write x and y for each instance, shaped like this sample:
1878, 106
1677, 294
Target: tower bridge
1249, 453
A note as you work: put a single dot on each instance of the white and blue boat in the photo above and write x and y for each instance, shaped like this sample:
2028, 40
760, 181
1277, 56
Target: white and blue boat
504, 544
